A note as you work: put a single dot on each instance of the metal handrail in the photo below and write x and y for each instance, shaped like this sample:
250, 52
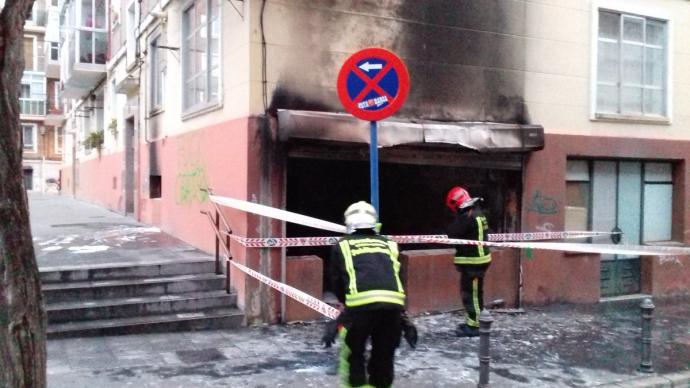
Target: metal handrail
226, 248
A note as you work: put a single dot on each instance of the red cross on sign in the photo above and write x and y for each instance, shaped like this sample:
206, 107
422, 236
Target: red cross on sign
373, 84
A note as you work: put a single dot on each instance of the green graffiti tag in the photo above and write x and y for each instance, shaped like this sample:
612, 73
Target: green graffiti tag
189, 185
542, 204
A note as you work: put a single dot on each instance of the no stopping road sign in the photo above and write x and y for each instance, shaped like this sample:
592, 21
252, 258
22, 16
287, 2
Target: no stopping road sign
373, 84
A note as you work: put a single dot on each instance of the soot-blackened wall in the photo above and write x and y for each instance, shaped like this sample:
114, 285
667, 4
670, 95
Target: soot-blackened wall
466, 58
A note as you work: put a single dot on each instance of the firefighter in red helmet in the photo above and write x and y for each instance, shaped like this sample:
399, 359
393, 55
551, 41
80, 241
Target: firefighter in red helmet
472, 261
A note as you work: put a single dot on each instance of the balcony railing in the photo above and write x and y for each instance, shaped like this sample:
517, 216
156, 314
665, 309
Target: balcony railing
35, 106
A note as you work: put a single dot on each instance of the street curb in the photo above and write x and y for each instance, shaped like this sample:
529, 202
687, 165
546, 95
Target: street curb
670, 380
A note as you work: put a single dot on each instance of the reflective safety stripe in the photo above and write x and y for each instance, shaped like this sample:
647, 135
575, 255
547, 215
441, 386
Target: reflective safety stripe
475, 303
367, 241
480, 235
349, 266
374, 296
359, 251
344, 366
472, 260
396, 264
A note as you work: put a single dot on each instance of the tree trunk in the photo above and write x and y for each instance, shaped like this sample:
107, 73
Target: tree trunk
22, 314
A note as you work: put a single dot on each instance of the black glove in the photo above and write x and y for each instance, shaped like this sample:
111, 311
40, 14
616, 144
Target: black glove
329, 333
409, 331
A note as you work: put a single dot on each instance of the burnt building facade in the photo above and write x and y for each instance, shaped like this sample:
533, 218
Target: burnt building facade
547, 110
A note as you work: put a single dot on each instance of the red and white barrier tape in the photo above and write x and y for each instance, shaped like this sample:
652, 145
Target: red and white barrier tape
532, 236
441, 239
638, 250
321, 241
300, 296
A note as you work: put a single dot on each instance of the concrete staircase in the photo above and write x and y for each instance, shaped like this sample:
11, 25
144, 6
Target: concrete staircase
159, 296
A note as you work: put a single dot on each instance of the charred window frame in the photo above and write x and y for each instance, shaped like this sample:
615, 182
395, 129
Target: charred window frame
631, 66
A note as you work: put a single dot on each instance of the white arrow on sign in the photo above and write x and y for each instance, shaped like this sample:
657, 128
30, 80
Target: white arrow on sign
366, 66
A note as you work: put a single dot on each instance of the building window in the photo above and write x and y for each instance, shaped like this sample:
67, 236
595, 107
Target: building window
32, 99
29, 54
132, 22
58, 140
633, 197
577, 196
631, 65
30, 13
29, 136
158, 70
54, 51
91, 32
200, 53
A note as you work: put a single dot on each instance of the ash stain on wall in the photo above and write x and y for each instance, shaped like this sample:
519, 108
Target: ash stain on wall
466, 58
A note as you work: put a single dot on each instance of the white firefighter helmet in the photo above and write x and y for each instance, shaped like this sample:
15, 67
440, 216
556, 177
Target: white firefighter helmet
360, 215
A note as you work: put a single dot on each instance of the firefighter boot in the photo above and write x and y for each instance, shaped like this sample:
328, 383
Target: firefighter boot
464, 330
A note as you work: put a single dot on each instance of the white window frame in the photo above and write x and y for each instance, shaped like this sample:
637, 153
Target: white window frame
203, 107
34, 138
156, 79
641, 10
132, 22
93, 30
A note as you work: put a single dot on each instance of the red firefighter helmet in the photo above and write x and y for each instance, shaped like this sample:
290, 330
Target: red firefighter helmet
459, 198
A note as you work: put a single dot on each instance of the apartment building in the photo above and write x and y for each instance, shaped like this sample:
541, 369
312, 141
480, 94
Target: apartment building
563, 115
40, 102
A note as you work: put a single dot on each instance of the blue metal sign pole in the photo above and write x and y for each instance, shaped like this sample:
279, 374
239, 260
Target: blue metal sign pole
374, 167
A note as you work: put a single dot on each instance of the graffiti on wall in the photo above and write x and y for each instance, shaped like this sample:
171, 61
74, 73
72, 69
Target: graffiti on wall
189, 183
542, 204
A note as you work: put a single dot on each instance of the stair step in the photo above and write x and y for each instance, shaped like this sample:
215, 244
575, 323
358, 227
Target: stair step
138, 306
111, 271
224, 318
129, 288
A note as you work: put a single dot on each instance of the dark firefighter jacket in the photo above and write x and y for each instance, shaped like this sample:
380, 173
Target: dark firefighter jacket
470, 224
365, 272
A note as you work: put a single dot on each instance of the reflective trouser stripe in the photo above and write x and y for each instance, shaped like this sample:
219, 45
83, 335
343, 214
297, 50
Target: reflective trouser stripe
472, 260
344, 366
475, 303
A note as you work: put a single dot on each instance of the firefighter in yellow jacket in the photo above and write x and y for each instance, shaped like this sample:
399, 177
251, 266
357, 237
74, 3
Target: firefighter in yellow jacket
472, 261
364, 275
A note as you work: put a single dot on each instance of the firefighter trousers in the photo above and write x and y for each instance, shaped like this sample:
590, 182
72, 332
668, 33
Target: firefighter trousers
472, 291
383, 328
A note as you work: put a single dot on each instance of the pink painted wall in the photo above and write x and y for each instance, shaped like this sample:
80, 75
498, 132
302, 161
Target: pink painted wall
100, 181
562, 277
